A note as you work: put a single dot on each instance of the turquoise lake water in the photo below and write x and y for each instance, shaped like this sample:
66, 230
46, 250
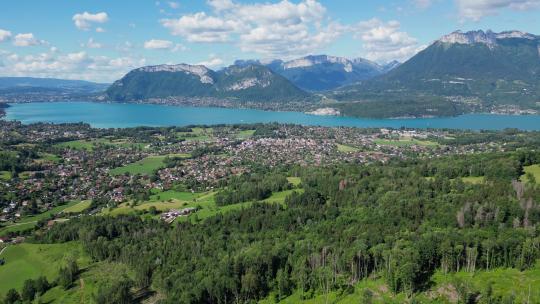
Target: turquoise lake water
104, 115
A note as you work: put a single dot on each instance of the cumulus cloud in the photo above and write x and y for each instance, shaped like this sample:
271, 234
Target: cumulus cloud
156, 44
85, 21
213, 62
92, 44
76, 65
384, 41
4, 35
477, 9
27, 39
281, 29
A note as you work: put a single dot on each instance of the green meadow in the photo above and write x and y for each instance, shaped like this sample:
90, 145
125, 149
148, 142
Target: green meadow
534, 170
29, 261
346, 149
146, 165
405, 141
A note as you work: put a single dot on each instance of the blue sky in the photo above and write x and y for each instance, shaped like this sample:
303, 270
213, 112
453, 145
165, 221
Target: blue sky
101, 40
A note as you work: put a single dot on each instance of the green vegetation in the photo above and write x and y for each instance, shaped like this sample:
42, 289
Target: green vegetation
245, 134
473, 179
346, 149
146, 165
29, 261
5, 175
79, 207
532, 170
406, 141
29, 222
77, 144
295, 181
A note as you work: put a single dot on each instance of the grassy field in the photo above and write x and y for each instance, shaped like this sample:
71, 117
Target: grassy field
29, 261
196, 134
346, 149
77, 145
295, 181
5, 175
88, 284
146, 165
406, 141
245, 134
28, 222
474, 179
534, 170
78, 207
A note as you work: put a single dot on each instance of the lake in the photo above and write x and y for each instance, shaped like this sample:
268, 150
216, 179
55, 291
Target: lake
105, 115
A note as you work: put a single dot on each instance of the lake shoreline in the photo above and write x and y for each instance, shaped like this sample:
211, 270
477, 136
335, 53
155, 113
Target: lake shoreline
122, 115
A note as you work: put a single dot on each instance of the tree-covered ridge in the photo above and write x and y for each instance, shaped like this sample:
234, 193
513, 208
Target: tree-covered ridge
401, 221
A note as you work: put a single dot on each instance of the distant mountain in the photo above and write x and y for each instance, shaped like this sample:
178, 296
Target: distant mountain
323, 72
247, 82
463, 72
30, 84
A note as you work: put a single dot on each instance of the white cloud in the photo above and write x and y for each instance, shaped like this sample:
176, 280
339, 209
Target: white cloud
156, 44
92, 44
173, 5
4, 35
27, 39
201, 28
477, 9
84, 21
283, 29
213, 62
383, 41
100, 30
77, 65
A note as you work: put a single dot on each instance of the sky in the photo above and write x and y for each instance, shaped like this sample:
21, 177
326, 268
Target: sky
101, 40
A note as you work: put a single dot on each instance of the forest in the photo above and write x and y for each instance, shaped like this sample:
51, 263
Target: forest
401, 221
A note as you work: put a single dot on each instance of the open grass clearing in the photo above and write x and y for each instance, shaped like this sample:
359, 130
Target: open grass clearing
534, 170
146, 165
29, 261
405, 141
346, 149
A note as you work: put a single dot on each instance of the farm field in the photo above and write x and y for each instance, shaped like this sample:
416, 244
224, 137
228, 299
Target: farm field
78, 207
146, 165
346, 149
401, 142
84, 144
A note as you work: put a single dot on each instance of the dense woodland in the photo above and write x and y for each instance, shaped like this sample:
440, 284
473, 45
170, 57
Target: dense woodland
401, 221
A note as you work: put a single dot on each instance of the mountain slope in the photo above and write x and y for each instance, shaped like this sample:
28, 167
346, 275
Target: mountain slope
253, 83
323, 72
472, 71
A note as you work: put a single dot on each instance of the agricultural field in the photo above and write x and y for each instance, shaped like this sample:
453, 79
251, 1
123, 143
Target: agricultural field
346, 149
5, 175
474, 179
29, 261
146, 165
405, 141
196, 134
90, 144
78, 207
245, 134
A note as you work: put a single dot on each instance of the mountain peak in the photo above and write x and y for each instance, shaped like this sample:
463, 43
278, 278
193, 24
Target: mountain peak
198, 70
479, 36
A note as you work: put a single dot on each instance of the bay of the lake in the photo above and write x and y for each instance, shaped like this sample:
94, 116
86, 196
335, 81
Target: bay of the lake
122, 115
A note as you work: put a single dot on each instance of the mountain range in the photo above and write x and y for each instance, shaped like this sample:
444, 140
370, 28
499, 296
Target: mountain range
460, 72
323, 72
254, 83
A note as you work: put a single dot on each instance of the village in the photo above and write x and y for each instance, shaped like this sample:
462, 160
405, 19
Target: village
47, 165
